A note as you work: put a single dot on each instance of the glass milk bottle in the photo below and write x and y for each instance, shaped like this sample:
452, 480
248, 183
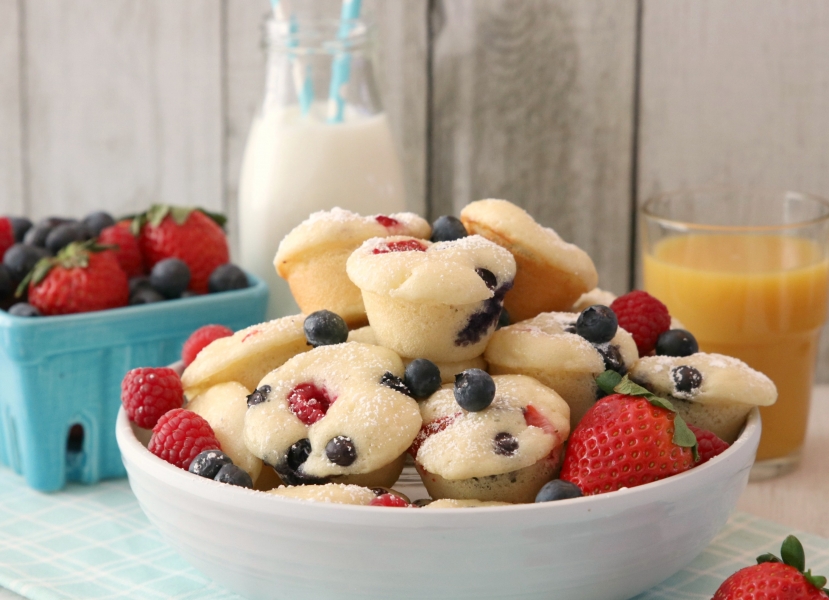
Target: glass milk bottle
317, 143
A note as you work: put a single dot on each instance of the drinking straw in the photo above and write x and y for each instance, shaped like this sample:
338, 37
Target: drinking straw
341, 69
302, 80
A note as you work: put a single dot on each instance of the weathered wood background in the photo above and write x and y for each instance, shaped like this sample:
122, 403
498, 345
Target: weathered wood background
575, 109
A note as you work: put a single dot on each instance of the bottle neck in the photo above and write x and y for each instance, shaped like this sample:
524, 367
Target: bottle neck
318, 70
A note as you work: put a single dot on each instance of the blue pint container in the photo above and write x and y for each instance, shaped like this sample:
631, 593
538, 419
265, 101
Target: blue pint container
60, 372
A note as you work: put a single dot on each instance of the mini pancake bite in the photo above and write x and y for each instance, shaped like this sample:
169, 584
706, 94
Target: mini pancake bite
503, 453
246, 356
711, 391
548, 348
331, 493
448, 370
224, 406
435, 301
334, 414
551, 273
312, 257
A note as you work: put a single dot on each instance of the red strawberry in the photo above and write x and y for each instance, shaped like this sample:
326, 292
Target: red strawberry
772, 579
623, 441
200, 339
643, 316
148, 392
126, 251
81, 278
6, 235
180, 435
428, 429
708, 443
188, 234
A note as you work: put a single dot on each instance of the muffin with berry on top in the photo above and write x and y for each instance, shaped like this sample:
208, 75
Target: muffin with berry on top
564, 351
437, 301
496, 439
551, 274
339, 413
312, 257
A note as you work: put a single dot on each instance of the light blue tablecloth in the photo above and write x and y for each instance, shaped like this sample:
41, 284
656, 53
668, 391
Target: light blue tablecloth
93, 542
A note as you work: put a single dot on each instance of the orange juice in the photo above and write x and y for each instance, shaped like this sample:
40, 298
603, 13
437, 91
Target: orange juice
760, 298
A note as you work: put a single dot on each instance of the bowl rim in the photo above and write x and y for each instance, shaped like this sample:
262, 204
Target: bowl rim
135, 453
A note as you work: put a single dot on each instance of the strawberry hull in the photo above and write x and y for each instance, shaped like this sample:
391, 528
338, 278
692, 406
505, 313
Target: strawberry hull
57, 372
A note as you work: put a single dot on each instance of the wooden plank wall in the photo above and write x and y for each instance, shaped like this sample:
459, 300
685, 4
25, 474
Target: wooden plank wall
575, 109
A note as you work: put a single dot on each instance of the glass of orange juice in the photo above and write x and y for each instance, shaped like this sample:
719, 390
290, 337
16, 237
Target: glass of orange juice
747, 272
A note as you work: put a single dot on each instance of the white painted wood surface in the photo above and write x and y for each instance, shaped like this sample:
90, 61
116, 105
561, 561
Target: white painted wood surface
11, 116
533, 102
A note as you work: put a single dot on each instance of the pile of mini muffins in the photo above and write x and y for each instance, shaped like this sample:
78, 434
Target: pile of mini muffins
330, 407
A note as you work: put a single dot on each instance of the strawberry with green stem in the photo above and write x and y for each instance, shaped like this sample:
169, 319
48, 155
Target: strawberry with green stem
83, 277
627, 439
775, 579
192, 235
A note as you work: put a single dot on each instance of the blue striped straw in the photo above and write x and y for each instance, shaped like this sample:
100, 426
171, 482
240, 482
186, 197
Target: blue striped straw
302, 80
341, 70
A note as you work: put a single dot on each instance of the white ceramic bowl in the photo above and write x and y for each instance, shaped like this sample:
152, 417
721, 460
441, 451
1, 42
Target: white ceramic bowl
604, 547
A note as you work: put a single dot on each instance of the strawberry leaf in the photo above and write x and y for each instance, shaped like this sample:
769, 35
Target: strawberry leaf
683, 436
767, 558
816, 580
180, 214
155, 215
793, 554
608, 380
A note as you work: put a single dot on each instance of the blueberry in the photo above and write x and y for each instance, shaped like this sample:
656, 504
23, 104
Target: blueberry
98, 221
489, 278
447, 228
234, 476
145, 295
170, 277
64, 234
422, 377
298, 453
503, 319
259, 396
139, 282
20, 225
24, 309
6, 284
323, 328
208, 463
612, 356
504, 444
676, 342
36, 236
340, 450
558, 489
421, 502
394, 382
225, 278
686, 378
474, 389
21, 258
597, 324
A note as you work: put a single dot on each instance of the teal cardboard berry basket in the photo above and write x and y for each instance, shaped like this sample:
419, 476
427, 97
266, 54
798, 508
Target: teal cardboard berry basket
63, 374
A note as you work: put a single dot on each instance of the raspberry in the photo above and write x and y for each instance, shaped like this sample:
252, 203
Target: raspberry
399, 246
309, 402
148, 392
200, 339
708, 444
127, 252
389, 500
180, 436
644, 317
